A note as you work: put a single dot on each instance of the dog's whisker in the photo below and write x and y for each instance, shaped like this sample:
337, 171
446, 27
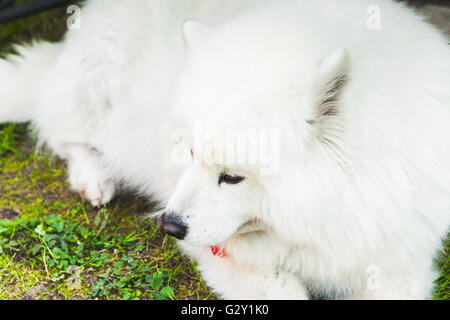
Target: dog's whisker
154, 215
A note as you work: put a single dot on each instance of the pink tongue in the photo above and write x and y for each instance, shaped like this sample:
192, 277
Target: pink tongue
218, 251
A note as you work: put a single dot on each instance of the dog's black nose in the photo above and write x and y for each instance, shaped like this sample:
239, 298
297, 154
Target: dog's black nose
172, 225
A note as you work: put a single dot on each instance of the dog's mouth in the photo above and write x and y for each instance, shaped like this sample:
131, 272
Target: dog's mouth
246, 228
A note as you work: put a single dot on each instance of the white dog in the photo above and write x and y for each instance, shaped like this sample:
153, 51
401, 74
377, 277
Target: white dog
351, 99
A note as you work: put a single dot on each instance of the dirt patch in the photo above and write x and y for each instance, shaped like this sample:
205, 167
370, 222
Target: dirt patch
10, 214
34, 293
80, 297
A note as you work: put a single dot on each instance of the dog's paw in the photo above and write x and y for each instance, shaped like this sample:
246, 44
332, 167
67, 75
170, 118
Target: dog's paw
96, 192
91, 183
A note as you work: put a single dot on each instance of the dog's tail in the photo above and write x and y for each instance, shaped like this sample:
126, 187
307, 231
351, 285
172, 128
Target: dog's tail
19, 75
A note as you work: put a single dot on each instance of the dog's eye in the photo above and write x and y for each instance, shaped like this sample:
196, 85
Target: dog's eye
229, 178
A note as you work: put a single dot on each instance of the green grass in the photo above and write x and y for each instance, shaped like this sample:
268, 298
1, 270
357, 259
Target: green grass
68, 250
442, 291
7, 137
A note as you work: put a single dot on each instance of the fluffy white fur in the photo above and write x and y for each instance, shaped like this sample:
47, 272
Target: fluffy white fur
363, 186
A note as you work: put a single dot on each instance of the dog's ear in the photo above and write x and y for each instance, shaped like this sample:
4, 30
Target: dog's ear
195, 31
329, 118
331, 78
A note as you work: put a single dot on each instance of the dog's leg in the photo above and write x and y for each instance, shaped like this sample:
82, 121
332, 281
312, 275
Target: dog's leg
403, 283
87, 175
235, 281
240, 282
284, 286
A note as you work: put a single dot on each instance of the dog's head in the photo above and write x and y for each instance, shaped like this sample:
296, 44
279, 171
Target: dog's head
251, 102
210, 204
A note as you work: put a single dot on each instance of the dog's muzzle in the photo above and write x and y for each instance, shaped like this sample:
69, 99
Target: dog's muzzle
173, 226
